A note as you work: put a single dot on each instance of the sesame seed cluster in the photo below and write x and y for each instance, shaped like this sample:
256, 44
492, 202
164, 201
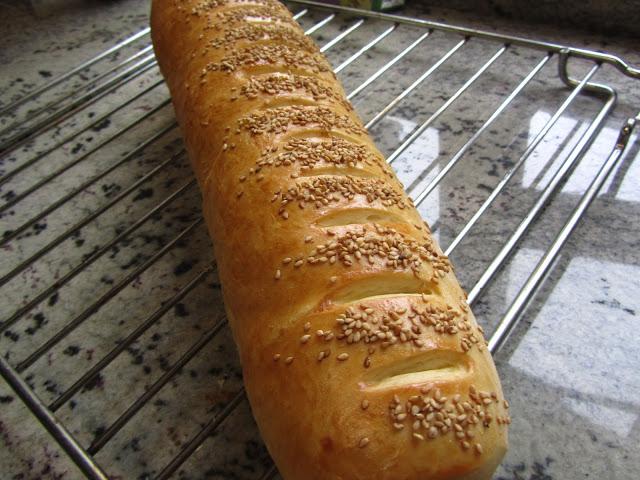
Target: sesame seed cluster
270, 54
254, 32
405, 325
429, 414
278, 83
278, 120
208, 5
308, 153
325, 190
366, 325
223, 20
368, 243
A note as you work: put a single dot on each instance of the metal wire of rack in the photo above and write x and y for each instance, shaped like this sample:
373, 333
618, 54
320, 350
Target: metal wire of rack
51, 118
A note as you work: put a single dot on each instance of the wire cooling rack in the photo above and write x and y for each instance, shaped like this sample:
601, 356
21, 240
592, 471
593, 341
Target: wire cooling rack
103, 241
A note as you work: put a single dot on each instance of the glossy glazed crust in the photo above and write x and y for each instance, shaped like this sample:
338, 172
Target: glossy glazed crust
360, 356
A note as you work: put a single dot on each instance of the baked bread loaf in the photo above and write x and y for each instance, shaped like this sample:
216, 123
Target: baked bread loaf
360, 355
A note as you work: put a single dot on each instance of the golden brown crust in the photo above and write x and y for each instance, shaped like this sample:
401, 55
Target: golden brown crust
360, 356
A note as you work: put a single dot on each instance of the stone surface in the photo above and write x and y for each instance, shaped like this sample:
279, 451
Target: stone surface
569, 370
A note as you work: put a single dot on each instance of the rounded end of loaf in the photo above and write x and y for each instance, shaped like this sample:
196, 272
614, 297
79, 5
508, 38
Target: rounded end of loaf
330, 410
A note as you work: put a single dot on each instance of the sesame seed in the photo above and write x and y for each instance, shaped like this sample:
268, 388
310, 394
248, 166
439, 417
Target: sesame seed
343, 356
305, 338
278, 274
367, 362
307, 326
333, 279
478, 449
365, 404
276, 357
286, 260
364, 441
288, 360
417, 436
308, 239
465, 445
427, 388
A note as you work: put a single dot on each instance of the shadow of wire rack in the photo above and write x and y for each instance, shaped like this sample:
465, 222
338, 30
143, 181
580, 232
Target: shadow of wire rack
104, 245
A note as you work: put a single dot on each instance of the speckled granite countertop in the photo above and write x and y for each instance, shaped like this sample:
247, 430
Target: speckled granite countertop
570, 370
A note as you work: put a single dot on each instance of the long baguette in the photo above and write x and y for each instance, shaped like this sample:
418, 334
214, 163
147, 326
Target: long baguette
360, 355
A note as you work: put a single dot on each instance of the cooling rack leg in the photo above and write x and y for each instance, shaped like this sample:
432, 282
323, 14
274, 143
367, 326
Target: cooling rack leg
79, 456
